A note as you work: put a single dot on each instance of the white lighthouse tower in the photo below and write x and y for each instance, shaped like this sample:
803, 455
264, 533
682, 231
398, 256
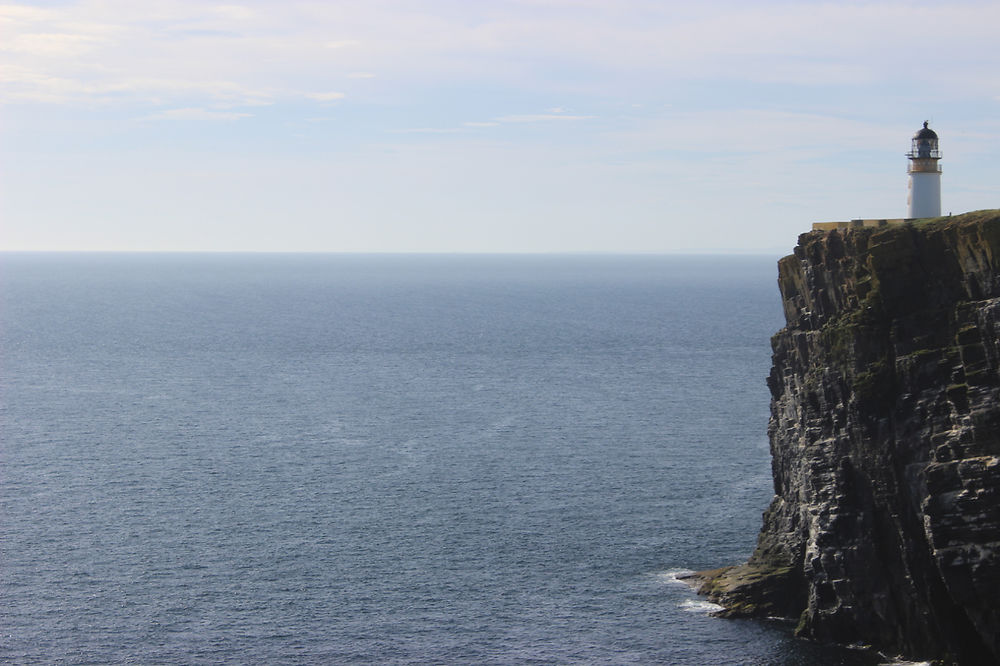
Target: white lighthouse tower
923, 196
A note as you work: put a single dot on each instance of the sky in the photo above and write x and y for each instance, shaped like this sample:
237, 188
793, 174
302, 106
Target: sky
624, 126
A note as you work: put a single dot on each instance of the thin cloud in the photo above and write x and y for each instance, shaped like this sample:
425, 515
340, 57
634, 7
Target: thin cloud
326, 96
555, 114
429, 130
50, 45
221, 93
194, 113
23, 13
519, 43
540, 118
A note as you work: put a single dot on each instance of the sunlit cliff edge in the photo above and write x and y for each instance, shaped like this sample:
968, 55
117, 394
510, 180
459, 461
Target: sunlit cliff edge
885, 439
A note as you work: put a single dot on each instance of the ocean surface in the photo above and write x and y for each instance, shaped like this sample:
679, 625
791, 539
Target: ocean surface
285, 459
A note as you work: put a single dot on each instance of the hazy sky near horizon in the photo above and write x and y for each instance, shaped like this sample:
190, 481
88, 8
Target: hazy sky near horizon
467, 126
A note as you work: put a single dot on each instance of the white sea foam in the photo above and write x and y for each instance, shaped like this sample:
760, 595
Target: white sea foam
700, 606
674, 577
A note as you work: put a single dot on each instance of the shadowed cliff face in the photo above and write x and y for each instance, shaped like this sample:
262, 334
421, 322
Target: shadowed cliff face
885, 442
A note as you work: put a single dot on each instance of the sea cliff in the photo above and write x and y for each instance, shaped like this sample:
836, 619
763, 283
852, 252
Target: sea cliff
885, 440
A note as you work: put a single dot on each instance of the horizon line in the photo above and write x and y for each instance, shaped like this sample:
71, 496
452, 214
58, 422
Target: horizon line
429, 253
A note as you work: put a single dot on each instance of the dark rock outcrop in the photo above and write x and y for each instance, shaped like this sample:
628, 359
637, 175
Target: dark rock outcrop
885, 441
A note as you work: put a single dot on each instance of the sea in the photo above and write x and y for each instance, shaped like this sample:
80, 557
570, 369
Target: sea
383, 459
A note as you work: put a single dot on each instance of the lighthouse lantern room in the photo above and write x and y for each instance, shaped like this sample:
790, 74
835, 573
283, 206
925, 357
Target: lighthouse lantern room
923, 198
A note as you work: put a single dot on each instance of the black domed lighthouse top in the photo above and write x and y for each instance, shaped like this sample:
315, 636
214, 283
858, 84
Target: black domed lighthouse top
926, 133
925, 144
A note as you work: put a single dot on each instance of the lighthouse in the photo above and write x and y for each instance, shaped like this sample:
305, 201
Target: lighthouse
923, 195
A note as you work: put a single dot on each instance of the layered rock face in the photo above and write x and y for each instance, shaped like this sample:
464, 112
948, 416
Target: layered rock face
885, 441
